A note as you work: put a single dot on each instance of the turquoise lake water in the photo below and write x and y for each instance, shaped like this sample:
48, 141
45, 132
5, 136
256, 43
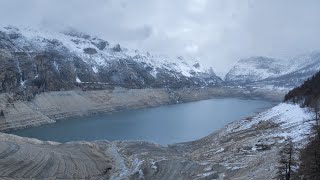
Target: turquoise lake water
164, 125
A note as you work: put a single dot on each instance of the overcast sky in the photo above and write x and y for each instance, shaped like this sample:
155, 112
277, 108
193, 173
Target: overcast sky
217, 32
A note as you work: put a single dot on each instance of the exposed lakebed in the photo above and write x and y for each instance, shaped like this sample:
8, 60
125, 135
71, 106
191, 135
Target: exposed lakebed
164, 125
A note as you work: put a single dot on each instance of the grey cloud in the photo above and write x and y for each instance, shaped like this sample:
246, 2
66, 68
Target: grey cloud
218, 32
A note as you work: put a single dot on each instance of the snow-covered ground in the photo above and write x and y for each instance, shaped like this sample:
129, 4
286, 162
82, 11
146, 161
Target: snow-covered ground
291, 118
245, 149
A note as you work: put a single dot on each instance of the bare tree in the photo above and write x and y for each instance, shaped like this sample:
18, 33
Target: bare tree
287, 161
316, 110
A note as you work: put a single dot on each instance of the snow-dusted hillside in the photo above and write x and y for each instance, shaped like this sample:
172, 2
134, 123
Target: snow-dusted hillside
35, 57
255, 69
291, 118
263, 72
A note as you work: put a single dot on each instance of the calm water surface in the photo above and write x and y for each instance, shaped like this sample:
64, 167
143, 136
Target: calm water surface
164, 125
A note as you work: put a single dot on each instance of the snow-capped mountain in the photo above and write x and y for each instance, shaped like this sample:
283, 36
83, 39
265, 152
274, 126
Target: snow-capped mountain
263, 71
255, 69
57, 60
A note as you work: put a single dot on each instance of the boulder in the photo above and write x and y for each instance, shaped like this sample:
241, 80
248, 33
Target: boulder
90, 51
117, 48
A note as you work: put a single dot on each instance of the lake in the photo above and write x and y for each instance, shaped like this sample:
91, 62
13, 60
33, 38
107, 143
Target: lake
164, 125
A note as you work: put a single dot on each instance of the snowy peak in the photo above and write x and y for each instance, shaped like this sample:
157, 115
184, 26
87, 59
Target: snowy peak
306, 62
56, 60
263, 71
101, 51
255, 69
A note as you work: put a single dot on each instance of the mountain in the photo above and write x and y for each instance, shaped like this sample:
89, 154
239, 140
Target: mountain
254, 69
35, 60
263, 71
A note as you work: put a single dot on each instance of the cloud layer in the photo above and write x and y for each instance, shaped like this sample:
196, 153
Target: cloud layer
217, 32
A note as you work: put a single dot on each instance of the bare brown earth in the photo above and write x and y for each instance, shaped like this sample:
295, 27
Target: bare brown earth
239, 154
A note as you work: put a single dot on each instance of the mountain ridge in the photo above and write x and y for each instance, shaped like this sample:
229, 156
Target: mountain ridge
263, 71
36, 60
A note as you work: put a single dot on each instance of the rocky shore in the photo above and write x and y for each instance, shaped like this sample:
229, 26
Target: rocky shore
231, 152
245, 149
51, 106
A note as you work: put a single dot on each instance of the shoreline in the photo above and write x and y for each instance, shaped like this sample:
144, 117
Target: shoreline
219, 154
244, 148
52, 106
75, 121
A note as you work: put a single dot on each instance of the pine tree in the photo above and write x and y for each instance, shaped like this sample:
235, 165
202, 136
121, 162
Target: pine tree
287, 161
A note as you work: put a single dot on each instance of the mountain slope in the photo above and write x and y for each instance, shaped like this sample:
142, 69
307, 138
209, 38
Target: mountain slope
254, 69
308, 93
40, 60
262, 71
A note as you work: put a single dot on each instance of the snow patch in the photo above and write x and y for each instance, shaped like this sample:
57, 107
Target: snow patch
206, 174
78, 80
56, 66
95, 69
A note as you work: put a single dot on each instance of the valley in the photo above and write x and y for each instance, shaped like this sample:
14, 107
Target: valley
48, 76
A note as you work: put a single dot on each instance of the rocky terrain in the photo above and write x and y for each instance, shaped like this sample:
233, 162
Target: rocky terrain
37, 60
48, 107
34, 61
46, 76
245, 149
269, 72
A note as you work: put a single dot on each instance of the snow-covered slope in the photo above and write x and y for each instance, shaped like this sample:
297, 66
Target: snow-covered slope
73, 57
255, 69
262, 71
291, 118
